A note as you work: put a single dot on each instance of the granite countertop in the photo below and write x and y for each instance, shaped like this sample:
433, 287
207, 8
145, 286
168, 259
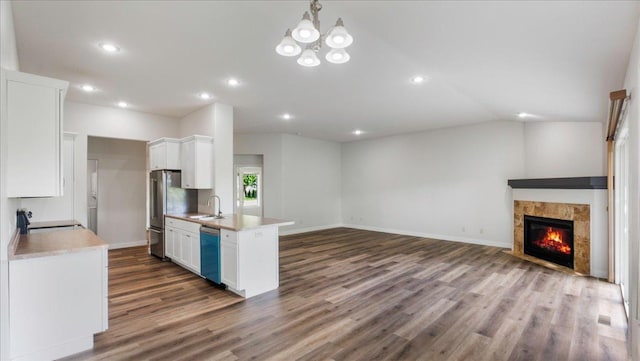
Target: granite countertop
233, 222
54, 243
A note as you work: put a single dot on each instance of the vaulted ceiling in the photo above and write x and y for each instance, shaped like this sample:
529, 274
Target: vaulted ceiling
483, 61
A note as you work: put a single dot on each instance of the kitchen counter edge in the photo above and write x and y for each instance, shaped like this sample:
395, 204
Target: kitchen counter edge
234, 222
25, 246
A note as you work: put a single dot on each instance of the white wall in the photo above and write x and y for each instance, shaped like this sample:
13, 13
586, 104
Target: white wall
631, 82
311, 183
8, 50
223, 161
448, 184
301, 179
200, 122
122, 179
270, 146
117, 123
564, 149
92, 120
8, 60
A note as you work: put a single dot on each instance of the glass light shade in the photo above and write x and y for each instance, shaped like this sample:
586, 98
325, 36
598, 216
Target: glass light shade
338, 37
305, 32
309, 58
338, 56
288, 46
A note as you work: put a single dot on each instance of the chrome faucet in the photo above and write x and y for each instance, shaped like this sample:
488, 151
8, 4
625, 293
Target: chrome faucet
219, 215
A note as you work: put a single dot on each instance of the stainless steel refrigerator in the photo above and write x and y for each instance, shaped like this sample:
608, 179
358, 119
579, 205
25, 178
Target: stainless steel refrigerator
166, 197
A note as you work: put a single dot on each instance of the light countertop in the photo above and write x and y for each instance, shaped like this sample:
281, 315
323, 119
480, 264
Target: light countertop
234, 222
54, 224
54, 243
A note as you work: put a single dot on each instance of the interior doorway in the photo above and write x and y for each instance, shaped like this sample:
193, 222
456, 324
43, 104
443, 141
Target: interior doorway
249, 185
92, 195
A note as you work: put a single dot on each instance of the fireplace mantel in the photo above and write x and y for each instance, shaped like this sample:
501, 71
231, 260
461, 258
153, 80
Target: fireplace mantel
560, 183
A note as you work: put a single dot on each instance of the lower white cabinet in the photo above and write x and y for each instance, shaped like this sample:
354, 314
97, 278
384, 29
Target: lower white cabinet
57, 303
169, 234
250, 260
229, 256
182, 243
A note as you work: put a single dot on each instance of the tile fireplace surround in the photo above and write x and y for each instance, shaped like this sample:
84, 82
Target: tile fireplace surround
578, 213
581, 199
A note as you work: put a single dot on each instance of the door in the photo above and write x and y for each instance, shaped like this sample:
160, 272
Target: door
92, 195
249, 190
156, 199
156, 242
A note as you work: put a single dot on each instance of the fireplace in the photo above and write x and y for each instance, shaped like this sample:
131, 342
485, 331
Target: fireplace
549, 239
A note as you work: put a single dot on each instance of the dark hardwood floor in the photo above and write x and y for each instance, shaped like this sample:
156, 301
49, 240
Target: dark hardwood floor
347, 294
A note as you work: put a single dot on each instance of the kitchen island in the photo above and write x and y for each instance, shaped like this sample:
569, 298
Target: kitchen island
249, 254
58, 293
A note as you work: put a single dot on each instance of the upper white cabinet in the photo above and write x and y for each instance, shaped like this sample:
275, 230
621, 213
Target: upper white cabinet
164, 153
32, 107
196, 159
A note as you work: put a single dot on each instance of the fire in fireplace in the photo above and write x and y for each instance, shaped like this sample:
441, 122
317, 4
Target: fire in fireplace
549, 239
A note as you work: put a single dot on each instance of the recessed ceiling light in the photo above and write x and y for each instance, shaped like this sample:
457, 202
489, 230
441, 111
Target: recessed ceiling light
109, 47
88, 88
205, 96
418, 79
357, 132
122, 104
233, 82
286, 116
523, 115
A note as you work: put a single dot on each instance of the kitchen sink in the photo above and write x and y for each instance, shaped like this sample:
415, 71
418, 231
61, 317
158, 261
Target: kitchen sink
205, 217
210, 218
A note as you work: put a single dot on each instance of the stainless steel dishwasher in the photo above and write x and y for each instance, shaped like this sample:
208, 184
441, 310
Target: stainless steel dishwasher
210, 254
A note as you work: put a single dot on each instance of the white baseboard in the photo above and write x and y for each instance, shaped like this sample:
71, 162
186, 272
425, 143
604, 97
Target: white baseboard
600, 273
286, 232
127, 244
68, 347
482, 242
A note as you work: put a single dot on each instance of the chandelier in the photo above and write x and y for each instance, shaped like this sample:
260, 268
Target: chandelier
308, 34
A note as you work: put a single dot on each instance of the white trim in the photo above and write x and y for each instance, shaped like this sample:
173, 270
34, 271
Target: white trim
70, 347
440, 237
482, 242
127, 244
600, 273
286, 232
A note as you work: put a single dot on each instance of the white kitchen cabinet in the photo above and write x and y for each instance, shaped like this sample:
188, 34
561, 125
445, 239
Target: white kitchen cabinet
196, 159
194, 262
169, 236
229, 258
32, 106
57, 208
57, 303
164, 153
250, 260
183, 238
